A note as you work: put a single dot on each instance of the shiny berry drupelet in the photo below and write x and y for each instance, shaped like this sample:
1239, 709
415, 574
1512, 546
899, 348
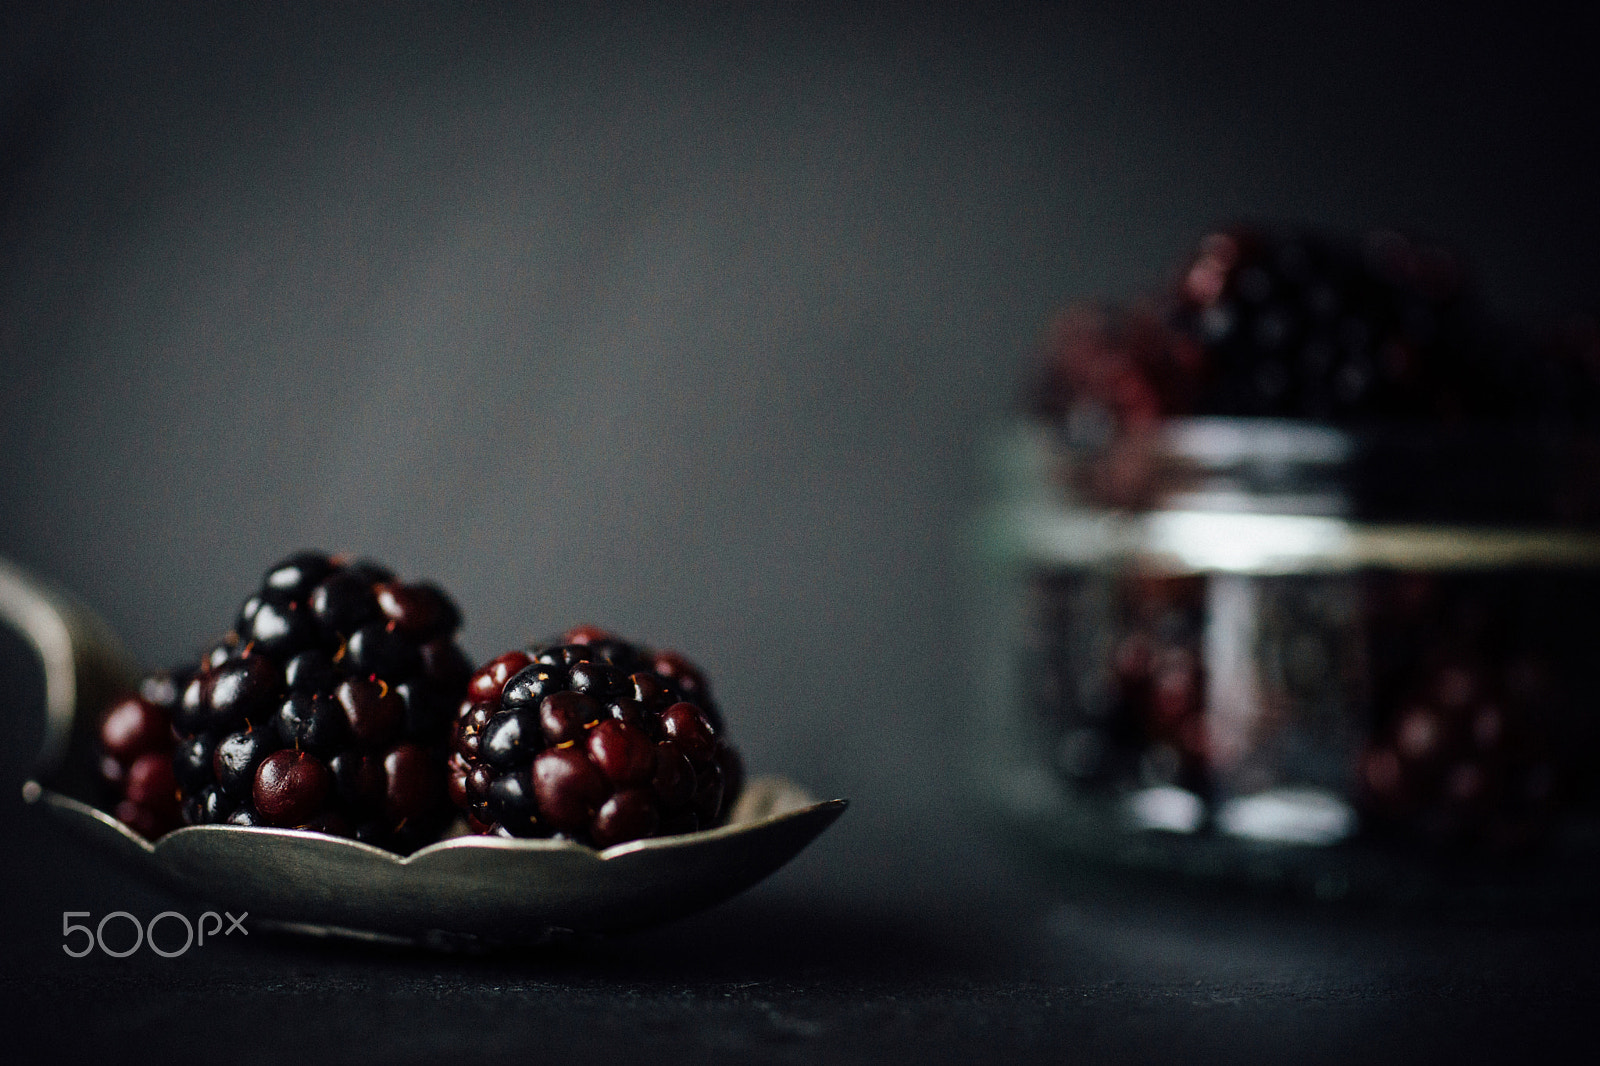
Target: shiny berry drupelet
327, 707
591, 738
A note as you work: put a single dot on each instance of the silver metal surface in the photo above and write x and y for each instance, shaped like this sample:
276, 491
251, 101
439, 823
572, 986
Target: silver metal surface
462, 891
470, 888
84, 664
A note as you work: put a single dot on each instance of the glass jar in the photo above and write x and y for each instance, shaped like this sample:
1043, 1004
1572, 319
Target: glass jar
1280, 653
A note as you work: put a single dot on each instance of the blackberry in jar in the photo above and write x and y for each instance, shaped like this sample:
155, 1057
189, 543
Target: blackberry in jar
1306, 324
1285, 324
1462, 751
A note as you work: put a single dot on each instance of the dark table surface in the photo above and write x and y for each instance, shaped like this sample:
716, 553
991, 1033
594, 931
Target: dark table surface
805, 969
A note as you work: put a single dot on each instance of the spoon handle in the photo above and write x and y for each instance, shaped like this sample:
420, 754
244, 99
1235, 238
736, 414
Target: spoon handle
85, 668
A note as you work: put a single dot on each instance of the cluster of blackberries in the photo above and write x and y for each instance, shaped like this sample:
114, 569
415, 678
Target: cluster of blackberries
593, 739
1471, 737
1462, 747
1460, 764
340, 702
1306, 325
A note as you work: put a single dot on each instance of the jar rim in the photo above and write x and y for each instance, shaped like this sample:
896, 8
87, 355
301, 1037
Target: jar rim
1507, 475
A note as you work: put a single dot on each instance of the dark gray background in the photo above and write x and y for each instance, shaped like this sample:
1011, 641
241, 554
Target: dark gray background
685, 323
689, 323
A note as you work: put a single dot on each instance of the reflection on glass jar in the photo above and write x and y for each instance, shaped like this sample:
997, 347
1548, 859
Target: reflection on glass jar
1309, 657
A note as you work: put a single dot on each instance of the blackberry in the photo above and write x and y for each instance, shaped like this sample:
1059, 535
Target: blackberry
137, 763
1111, 369
1461, 752
1308, 325
1297, 324
1122, 704
592, 739
1112, 376
1462, 762
1158, 679
1160, 672
327, 707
